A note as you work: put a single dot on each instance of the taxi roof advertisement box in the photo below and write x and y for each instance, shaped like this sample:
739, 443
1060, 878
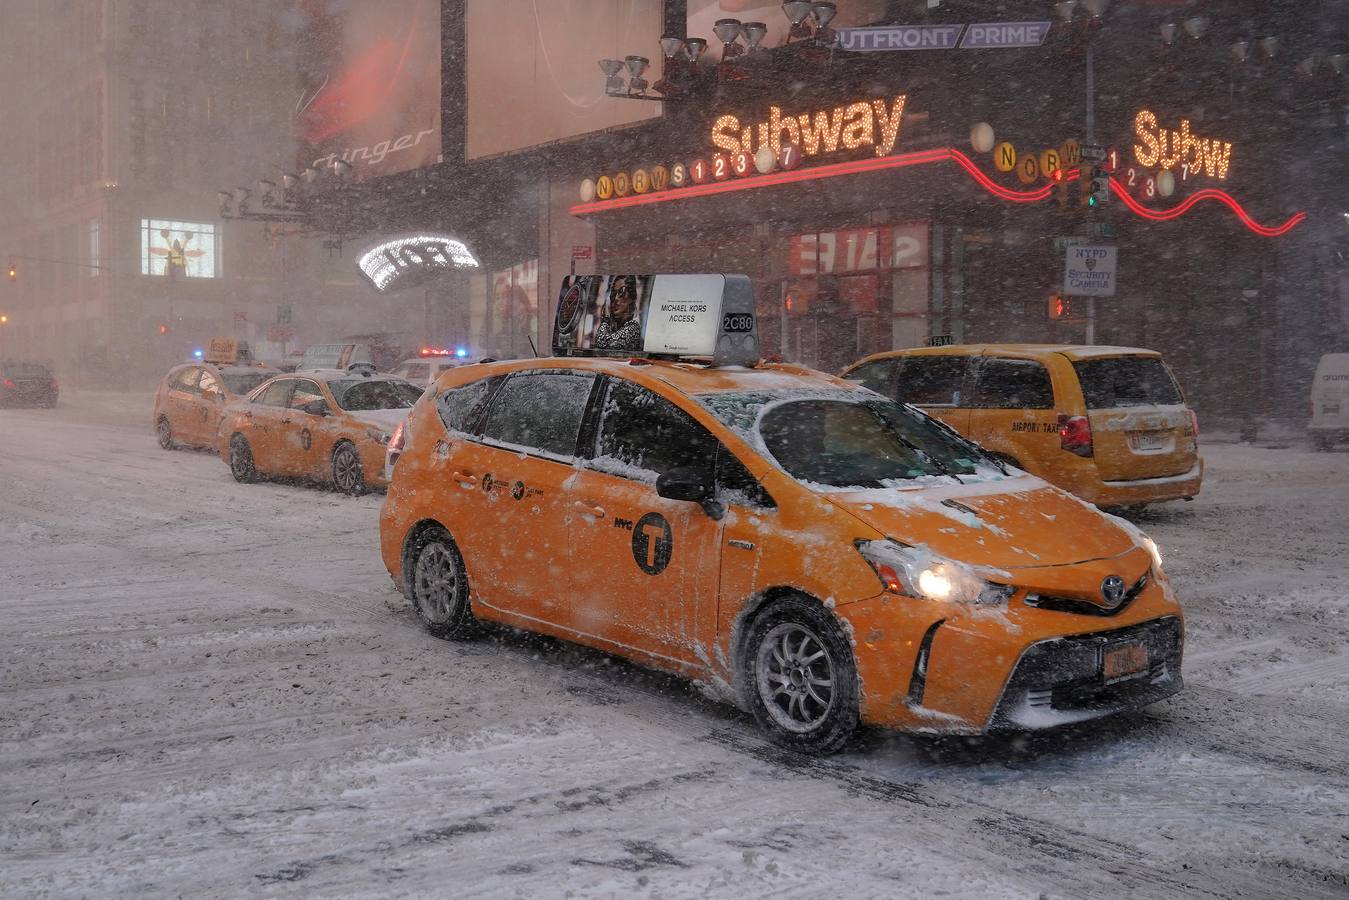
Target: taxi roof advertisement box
699, 316
1089, 270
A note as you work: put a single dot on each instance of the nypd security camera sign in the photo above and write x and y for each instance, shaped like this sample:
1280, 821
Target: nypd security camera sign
1089, 270
696, 316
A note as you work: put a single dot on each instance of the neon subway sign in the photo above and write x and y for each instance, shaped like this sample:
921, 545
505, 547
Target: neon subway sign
1168, 149
873, 123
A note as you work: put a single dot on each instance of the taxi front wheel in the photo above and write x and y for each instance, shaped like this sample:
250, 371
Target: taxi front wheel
347, 474
242, 466
164, 432
801, 678
438, 584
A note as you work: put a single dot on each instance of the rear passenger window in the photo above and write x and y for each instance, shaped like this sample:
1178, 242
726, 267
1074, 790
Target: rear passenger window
458, 406
1013, 384
643, 435
276, 394
932, 380
539, 411
878, 376
186, 380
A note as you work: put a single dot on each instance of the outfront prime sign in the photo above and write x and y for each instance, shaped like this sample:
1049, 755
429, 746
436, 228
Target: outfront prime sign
1089, 270
978, 36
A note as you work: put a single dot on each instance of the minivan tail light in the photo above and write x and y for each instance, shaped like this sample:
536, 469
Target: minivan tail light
1194, 424
1075, 434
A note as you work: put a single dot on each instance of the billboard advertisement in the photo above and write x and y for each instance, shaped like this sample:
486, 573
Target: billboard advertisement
370, 85
532, 73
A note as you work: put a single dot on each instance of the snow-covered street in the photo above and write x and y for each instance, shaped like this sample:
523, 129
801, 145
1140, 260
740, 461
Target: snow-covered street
209, 687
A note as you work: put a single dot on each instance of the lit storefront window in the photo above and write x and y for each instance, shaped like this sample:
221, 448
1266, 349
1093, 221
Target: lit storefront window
183, 249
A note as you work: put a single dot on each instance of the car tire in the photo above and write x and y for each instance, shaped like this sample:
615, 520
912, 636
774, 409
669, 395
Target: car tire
242, 467
164, 433
437, 584
800, 677
347, 475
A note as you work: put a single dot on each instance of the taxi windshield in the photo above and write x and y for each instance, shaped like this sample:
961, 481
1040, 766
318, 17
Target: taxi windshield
357, 394
845, 439
243, 382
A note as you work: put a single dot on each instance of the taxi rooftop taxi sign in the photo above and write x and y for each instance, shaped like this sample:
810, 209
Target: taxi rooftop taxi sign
696, 316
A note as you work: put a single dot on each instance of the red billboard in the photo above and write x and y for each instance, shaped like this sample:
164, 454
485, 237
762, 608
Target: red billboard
370, 85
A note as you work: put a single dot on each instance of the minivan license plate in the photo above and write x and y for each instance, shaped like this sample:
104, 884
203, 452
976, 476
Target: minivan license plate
1148, 440
1123, 660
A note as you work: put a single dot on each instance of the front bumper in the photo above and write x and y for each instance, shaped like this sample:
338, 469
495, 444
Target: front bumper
1059, 680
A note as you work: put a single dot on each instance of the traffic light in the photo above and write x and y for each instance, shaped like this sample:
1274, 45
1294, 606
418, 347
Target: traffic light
13, 273
1059, 307
163, 328
1095, 184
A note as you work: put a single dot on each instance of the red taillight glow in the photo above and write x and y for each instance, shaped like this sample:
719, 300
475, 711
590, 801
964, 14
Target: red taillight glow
9, 382
396, 442
1075, 434
1194, 423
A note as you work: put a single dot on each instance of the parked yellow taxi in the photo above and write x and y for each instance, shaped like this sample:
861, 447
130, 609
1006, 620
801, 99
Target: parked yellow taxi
1108, 424
191, 400
323, 425
825, 555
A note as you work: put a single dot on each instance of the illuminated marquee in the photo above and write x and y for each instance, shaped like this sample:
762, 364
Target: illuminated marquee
1169, 149
864, 123
410, 260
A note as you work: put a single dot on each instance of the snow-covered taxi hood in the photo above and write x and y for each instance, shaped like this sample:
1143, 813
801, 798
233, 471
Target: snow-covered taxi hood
1007, 523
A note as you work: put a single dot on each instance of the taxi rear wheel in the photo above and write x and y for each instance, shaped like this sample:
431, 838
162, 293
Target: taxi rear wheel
438, 584
164, 432
801, 678
347, 475
242, 466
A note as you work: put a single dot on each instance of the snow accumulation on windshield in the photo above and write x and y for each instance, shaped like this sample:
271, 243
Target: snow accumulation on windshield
834, 439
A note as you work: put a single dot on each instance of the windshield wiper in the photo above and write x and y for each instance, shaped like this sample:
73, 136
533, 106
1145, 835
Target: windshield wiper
922, 454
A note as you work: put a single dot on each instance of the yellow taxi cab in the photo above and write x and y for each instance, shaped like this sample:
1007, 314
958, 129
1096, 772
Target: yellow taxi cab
191, 399
823, 555
326, 425
1108, 424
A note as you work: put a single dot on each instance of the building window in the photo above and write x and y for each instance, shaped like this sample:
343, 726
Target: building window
181, 249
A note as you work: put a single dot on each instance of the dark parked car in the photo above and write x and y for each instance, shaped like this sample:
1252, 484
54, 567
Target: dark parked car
28, 384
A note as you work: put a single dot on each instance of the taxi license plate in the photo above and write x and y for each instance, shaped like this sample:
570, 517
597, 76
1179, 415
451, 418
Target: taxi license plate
1148, 440
1123, 661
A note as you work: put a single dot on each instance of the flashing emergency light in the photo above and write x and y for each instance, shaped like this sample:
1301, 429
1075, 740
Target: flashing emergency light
197, 353
436, 351
460, 352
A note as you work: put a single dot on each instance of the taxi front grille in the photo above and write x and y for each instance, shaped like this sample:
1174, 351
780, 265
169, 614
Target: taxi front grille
1087, 607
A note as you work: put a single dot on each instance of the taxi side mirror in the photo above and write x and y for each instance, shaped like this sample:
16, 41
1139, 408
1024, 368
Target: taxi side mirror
683, 484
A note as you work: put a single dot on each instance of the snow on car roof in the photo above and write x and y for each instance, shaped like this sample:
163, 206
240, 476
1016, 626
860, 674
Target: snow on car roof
1072, 351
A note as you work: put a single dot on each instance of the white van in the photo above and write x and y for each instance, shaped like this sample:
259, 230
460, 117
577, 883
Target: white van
1330, 401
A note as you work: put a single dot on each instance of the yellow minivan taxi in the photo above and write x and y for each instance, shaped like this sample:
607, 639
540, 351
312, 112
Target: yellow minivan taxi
1108, 424
823, 555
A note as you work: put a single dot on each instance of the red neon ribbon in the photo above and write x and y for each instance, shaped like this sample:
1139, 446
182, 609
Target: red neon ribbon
1207, 194
921, 157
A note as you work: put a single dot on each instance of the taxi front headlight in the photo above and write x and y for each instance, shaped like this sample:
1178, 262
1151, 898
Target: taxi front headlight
1152, 548
918, 572
379, 437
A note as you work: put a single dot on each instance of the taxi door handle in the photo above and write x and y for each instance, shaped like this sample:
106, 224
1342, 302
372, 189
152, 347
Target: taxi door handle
586, 509
465, 480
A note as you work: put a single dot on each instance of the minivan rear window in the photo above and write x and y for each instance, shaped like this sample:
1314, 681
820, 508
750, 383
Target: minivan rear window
1120, 381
